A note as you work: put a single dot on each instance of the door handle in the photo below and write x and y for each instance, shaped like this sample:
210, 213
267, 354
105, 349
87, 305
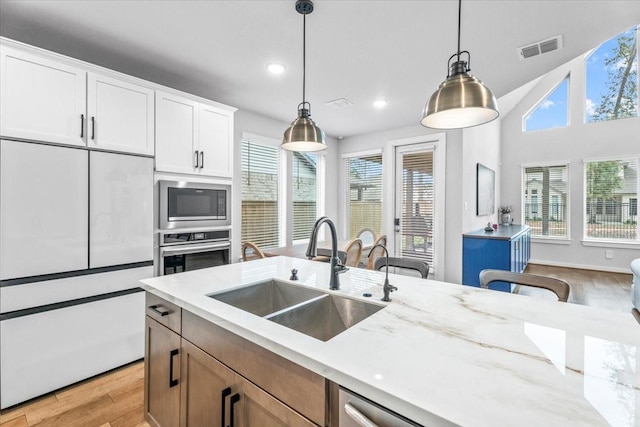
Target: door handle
162, 313
201, 159
172, 382
195, 159
234, 399
81, 125
226, 392
93, 127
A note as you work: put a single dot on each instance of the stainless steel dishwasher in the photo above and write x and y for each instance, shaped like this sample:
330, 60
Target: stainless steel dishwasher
357, 411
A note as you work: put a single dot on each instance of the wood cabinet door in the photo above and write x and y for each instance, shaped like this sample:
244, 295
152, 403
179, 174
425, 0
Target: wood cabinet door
207, 388
215, 141
162, 379
120, 115
257, 408
42, 99
176, 133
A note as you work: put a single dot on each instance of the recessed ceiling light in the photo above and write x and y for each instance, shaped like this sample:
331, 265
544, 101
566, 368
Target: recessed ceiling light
275, 68
380, 103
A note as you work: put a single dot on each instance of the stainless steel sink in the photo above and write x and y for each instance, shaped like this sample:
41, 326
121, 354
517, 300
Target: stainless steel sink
267, 297
326, 316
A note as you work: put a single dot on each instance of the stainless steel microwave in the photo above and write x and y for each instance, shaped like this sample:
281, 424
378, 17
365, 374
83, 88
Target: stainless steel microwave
194, 205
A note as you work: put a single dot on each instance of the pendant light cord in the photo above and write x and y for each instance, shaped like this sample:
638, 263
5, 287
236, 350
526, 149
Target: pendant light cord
459, 19
304, 57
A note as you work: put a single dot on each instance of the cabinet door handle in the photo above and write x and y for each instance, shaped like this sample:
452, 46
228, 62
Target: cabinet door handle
162, 313
234, 399
226, 392
358, 416
93, 127
81, 125
201, 159
172, 382
195, 160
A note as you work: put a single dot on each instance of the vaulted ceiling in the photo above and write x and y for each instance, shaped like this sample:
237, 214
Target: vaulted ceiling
358, 50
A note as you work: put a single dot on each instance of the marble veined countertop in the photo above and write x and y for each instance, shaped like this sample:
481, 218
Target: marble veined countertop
445, 354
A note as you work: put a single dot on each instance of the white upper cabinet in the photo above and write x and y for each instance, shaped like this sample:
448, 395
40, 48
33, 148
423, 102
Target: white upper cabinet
193, 137
176, 133
41, 99
120, 115
215, 141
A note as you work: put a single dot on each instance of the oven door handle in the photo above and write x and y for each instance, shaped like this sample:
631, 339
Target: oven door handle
193, 248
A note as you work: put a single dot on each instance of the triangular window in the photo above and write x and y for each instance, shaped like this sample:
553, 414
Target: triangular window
552, 111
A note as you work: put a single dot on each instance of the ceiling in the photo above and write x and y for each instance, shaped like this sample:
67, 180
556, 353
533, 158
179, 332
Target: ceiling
358, 50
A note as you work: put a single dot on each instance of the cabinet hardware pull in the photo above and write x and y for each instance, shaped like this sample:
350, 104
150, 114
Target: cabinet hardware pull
226, 392
160, 312
93, 127
234, 399
358, 416
81, 125
195, 160
201, 159
172, 382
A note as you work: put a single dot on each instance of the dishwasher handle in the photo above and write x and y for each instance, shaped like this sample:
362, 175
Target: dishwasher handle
358, 416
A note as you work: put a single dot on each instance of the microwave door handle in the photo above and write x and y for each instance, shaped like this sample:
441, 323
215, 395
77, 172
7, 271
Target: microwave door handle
194, 249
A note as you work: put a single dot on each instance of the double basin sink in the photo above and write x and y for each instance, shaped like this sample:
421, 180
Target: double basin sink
315, 313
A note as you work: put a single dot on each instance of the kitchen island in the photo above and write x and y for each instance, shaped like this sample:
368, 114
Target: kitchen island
443, 354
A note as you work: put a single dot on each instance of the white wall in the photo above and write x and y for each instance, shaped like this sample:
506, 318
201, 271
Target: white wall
246, 122
575, 143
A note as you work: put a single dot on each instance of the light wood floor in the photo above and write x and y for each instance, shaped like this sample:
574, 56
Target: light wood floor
115, 399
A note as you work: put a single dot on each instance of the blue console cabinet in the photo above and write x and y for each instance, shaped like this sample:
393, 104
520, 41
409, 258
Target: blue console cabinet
507, 248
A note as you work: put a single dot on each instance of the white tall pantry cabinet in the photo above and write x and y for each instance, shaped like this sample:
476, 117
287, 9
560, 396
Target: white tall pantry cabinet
77, 155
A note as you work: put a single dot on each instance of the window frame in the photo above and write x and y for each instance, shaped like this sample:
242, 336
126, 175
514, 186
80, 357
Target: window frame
606, 242
537, 104
566, 239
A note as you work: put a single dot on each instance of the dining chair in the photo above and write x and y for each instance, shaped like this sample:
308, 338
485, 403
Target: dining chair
376, 251
251, 251
354, 251
367, 236
557, 286
324, 255
402, 265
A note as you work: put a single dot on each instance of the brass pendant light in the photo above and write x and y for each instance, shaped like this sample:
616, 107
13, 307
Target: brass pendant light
303, 134
461, 100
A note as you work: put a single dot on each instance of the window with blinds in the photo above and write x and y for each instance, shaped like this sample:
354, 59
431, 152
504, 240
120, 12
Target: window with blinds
364, 193
611, 199
545, 200
417, 206
304, 193
260, 179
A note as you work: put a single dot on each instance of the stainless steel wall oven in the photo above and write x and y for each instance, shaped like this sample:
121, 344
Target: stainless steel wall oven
193, 250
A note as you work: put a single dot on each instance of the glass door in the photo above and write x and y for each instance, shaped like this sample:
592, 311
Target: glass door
415, 205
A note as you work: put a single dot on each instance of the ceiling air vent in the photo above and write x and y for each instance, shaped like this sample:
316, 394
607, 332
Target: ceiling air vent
538, 48
338, 103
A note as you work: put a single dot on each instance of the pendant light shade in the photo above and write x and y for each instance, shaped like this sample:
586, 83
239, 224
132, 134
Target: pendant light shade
304, 134
462, 100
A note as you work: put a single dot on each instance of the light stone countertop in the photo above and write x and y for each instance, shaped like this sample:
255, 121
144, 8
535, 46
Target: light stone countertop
445, 354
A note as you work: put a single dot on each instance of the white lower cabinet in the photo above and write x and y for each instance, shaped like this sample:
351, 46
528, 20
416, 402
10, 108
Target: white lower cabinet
43, 209
45, 351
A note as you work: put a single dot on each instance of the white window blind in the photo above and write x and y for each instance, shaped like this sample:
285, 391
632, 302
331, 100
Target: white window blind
545, 200
418, 206
364, 193
260, 179
304, 180
611, 211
